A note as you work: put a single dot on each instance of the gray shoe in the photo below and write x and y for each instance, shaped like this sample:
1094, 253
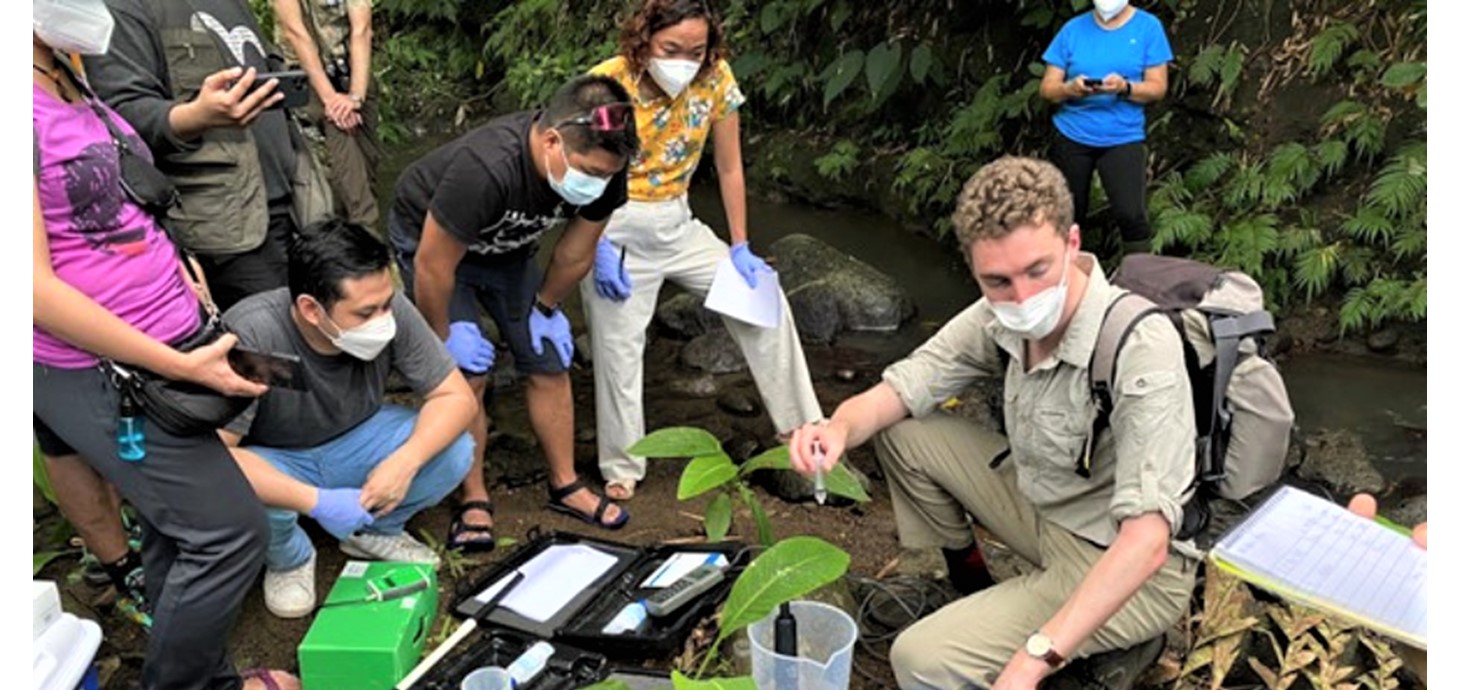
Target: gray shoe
389, 547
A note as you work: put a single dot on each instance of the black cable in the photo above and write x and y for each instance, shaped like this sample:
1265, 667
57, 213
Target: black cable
910, 599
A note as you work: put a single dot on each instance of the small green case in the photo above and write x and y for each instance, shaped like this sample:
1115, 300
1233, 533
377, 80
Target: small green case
360, 643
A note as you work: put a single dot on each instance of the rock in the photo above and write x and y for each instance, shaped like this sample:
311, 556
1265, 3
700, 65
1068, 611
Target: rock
586, 435
514, 461
698, 387
845, 375
684, 316
738, 404
1337, 460
1384, 341
582, 352
741, 448
714, 353
1411, 511
840, 292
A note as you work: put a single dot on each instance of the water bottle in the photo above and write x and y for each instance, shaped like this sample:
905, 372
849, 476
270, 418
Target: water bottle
526, 667
131, 442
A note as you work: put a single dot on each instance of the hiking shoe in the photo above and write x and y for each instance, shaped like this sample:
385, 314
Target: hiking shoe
290, 593
389, 547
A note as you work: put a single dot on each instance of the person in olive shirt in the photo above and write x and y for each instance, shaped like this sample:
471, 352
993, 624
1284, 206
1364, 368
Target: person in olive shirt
1110, 573
466, 223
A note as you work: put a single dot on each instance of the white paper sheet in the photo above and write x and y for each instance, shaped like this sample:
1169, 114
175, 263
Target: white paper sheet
1318, 551
732, 296
679, 565
550, 580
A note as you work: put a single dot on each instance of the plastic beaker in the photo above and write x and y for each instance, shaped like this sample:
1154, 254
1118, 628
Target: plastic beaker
824, 638
487, 678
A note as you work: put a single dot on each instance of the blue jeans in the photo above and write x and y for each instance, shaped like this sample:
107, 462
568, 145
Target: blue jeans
346, 462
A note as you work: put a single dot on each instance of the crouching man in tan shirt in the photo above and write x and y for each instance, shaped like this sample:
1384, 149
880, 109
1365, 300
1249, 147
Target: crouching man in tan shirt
1109, 575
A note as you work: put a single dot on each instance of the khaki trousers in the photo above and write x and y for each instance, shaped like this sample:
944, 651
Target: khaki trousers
353, 157
939, 474
665, 242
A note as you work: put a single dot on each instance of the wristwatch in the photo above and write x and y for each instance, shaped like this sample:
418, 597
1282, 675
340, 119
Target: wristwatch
1041, 647
542, 308
1126, 92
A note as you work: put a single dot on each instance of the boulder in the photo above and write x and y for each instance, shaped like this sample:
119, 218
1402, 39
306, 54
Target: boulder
1337, 460
831, 292
714, 353
684, 316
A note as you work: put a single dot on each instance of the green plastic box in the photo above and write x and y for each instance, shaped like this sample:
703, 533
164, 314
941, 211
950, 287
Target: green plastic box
357, 643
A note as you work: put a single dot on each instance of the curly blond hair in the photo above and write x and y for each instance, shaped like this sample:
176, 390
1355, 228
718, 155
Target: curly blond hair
1010, 193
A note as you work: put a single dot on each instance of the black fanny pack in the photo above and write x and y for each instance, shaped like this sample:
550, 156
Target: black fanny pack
141, 181
180, 408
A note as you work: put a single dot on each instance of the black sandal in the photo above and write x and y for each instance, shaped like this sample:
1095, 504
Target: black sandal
556, 504
460, 526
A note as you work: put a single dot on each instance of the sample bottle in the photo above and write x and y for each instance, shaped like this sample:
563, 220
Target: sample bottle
526, 667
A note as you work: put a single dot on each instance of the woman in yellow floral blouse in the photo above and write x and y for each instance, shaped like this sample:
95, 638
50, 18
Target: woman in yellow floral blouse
684, 97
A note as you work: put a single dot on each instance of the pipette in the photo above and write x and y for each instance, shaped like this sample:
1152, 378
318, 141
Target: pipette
819, 457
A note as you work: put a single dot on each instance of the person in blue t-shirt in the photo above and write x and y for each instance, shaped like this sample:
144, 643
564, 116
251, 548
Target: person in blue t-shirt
1102, 69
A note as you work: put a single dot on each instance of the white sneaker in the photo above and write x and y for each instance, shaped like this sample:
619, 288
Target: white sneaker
389, 547
290, 593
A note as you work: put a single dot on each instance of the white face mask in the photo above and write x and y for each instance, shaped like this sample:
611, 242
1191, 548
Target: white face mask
83, 27
366, 341
1037, 316
673, 75
1107, 9
577, 187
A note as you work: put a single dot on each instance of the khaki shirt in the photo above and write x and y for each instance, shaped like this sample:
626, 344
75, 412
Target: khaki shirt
1143, 464
331, 27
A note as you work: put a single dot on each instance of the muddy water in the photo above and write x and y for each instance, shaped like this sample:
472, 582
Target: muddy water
1383, 403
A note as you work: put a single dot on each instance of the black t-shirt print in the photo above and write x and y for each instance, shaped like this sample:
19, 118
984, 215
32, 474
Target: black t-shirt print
483, 190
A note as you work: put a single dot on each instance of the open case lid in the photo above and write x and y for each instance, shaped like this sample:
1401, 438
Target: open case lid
585, 612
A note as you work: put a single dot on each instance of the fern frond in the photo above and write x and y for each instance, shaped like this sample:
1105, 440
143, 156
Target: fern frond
1357, 264
1331, 154
1409, 242
1207, 171
1295, 241
1292, 163
1328, 46
1247, 242
1370, 226
1366, 134
1315, 269
1207, 64
1400, 187
1243, 188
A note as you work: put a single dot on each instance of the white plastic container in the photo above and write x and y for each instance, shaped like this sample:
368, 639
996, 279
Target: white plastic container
46, 607
825, 636
487, 678
63, 653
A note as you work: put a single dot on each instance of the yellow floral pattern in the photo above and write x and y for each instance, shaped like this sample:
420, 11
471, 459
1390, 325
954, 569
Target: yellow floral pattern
672, 133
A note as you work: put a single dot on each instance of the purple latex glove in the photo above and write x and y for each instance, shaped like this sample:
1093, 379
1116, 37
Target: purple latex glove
746, 263
553, 328
609, 276
473, 353
339, 512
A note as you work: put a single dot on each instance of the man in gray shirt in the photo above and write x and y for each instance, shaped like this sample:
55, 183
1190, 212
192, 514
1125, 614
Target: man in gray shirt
342, 317
1110, 574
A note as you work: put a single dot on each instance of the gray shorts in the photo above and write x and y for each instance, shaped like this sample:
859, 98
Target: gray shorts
505, 288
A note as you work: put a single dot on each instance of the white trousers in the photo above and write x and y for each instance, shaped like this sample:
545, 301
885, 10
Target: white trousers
666, 242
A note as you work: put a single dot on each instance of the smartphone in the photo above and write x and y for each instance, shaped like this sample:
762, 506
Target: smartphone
1092, 83
269, 368
294, 84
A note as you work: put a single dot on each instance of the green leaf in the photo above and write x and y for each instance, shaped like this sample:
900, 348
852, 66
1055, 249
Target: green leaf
1331, 155
840, 14
676, 442
840, 75
1208, 171
778, 458
1328, 46
749, 64
683, 682
1341, 112
792, 568
1039, 17
882, 62
1207, 64
1315, 269
763, 529
918, 64
1365, 60
774, 16
39, 475
1403, 74
1232, 68
839, 481
717, 518
705, 473
41, 559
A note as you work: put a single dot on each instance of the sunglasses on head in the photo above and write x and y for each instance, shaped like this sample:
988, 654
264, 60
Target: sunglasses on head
609, 117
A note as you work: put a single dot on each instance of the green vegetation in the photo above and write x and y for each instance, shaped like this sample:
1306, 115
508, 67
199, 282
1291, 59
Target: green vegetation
1329, 206
710, 468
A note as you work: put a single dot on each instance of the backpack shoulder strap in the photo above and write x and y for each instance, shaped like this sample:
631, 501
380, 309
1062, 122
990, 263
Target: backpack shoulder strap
1121, 318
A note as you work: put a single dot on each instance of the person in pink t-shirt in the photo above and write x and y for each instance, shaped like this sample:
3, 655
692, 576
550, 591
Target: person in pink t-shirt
108, 284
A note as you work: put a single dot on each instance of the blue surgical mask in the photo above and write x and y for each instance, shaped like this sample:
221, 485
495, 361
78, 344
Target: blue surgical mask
577, 187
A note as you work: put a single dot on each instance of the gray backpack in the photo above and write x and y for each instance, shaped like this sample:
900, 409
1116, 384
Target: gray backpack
1243, 416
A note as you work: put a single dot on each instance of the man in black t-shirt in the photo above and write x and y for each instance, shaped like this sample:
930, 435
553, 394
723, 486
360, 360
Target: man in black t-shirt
466, 222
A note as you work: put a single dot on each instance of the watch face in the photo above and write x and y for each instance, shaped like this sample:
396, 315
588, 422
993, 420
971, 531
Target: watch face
1038, 645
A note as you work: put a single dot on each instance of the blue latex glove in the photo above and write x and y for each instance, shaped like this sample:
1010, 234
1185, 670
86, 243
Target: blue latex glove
472, 352
554, 329
747, 263
339, 512
609, 275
